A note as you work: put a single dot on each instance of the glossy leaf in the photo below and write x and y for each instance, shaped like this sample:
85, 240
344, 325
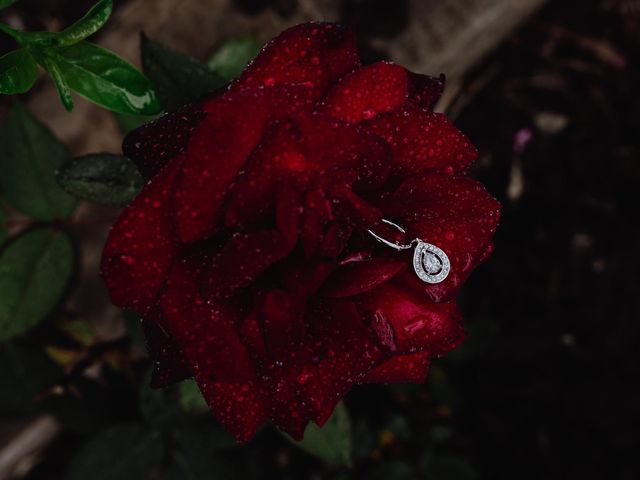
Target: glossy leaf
230, 59
18, 72
106, 79
61, 85
332, 442
29, 155
35, 270
179, 79
6, 3
101, 178
93, 21
125, 452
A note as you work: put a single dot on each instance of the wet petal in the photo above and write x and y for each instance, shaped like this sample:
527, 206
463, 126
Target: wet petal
169, 365
152, 145
281, 321
358, 277
362, 95
454, 213
311, 53
141, 245
411, 368
247, 255
220, 147
347, 353
423, 140
220, 363
406, 322
424, 90
217, 150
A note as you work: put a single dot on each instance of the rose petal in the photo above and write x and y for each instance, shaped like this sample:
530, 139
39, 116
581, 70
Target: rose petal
152, 145
281, 153
424, 90
221, 365
281, 321
406, 322
411, 368
311, 53
347, 353
247, 255
358, 277
169, 364
219, 148
454, 213
423, 140
304, 146
365, 93
141, 245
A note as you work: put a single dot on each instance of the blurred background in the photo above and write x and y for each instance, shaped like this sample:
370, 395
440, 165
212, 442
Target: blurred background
545, 386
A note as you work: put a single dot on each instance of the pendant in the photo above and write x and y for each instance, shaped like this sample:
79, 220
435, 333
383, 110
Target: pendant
430, 262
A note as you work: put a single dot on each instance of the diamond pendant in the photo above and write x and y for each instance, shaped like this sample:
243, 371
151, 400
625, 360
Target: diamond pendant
430, 263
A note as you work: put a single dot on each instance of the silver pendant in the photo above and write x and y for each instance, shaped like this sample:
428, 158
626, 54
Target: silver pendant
430, 262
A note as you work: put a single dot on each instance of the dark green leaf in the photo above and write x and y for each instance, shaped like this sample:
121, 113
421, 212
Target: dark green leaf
332, 443
157, 408
191, 399
29, 155
6, 3
106, 79
101, 178
179, 79
26, 373
35, 269
61, 84
18, 72
123, 452
230, 59
93, 21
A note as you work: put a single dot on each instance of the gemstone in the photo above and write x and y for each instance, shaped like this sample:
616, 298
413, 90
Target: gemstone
430, 263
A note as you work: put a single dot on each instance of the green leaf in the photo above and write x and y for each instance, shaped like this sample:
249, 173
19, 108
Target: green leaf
331, 443
123, 452
190, 397
106, 79
93, 21
26, 373
18, 72
230, 59
101, 178
29, 155
6, 3
61, 85
35, 270
179, 79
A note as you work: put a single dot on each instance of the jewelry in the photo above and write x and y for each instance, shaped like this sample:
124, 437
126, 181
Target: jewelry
430, 263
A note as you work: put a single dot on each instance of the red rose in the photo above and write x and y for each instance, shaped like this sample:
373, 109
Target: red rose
248, 253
